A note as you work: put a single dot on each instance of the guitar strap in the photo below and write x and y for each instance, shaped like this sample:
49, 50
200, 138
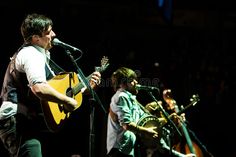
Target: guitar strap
114, 116
55, 67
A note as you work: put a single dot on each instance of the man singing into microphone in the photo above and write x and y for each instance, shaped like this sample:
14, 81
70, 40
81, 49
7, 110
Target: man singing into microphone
25, 84
124, 113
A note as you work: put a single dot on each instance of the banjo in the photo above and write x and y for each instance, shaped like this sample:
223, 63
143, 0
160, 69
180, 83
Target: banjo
150, 121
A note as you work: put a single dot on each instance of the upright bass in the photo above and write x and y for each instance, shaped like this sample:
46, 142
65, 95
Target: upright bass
186, 145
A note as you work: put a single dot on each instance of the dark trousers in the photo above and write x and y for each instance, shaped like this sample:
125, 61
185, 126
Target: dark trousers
116, 153
15, 142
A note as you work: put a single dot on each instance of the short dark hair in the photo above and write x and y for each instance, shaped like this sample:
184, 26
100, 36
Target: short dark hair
34, 24
122, 75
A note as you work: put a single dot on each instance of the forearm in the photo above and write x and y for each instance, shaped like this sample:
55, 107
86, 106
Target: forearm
131, 127
139, 129
45, 92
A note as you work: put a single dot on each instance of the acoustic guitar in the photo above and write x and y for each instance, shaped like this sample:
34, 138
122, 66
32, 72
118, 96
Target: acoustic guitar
55, 114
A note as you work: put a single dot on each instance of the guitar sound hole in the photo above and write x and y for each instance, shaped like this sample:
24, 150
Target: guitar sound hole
61, 107
69, 92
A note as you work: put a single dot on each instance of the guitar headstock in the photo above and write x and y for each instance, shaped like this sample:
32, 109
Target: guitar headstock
195, 98
104, 64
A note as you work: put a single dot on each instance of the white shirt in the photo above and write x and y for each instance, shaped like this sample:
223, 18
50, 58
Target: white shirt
30, 60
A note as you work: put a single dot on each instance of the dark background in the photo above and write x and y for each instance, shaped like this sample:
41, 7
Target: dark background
188, 46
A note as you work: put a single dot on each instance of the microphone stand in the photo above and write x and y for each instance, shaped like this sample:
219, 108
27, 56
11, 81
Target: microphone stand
172, 124
94, 98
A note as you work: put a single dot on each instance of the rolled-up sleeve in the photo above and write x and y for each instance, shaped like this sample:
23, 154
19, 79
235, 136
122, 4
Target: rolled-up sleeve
31, 62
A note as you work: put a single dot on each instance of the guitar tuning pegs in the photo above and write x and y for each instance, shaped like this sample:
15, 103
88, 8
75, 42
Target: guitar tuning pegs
195, 97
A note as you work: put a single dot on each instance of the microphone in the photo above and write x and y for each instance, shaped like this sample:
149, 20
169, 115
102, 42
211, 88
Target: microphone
141, 87
57, 42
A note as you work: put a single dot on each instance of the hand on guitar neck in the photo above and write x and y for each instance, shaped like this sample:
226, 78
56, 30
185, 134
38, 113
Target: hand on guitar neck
95, 77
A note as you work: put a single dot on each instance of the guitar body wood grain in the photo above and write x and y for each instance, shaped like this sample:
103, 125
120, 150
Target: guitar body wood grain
54, 113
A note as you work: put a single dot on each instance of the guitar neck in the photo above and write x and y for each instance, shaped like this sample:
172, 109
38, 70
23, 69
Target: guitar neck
79, 86
193, 103
184, 109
